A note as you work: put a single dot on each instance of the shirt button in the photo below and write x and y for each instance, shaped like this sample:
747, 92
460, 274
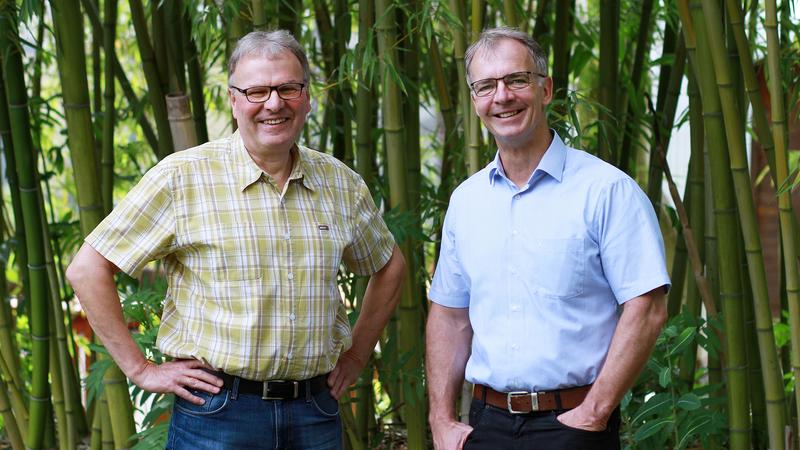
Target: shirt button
516, 197
289, 355
515, 307
291, 316
514, 346
286, 236
290, 276
513, 271
514, 232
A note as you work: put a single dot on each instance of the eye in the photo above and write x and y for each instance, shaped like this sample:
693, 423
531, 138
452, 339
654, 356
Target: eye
289, 90
258, 93
484, 87
517, 81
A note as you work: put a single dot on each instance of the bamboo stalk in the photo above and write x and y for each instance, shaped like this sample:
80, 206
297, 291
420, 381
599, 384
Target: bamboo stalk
459, 47
195, 71
10, 426
151, 74
609, 80
107, 160
726, 230
510, 12
16, 95
409, 336
787, 219
365, 94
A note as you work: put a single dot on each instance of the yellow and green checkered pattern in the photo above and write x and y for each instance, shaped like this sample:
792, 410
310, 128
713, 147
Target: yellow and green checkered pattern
251, 270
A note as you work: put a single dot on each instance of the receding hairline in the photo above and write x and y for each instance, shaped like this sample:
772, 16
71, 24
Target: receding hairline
490, 38
269, 45
271, 56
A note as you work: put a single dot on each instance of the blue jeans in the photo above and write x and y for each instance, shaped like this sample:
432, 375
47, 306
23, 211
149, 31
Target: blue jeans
230, 420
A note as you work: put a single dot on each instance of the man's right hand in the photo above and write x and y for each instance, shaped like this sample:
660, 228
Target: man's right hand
450, 435
177, 377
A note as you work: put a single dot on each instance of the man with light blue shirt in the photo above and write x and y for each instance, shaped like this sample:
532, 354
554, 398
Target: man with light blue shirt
540, 251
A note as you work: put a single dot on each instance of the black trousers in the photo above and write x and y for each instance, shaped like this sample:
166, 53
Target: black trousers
495, 429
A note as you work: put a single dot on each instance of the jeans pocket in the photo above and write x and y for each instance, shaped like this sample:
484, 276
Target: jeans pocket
325, 403
214, 403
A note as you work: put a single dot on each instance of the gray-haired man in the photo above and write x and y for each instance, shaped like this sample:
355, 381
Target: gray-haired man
252, 229
539, 249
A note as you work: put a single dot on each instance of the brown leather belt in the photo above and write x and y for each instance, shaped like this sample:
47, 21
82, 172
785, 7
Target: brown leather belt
521, 402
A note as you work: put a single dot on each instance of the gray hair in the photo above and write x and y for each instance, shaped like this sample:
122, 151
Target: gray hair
491, 36
268, 44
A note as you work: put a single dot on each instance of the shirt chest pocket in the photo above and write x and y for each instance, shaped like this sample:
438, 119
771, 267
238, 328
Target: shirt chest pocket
557, 266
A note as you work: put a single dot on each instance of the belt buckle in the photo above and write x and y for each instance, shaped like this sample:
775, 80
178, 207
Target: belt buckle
265, 389
534, 401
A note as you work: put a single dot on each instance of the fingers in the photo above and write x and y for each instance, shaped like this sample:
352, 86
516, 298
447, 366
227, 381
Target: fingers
186, 395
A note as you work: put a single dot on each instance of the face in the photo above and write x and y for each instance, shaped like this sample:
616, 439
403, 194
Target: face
515, 117
272, 126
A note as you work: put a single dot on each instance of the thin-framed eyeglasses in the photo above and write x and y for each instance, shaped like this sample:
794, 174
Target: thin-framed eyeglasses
260, 94
515, 81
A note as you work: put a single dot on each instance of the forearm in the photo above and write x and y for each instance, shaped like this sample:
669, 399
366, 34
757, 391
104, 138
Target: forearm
448, 344
379, 303
93, 282
634, 338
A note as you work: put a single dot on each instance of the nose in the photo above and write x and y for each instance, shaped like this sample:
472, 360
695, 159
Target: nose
274, 102
502, 93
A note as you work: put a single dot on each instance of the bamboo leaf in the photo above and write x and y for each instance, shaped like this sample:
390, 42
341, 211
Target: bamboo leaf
656, 404
686, 337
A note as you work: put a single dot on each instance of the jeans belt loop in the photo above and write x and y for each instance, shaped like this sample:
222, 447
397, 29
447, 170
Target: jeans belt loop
516, 394
235, 388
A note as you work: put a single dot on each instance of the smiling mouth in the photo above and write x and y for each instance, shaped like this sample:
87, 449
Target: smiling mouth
274, 121
507, 114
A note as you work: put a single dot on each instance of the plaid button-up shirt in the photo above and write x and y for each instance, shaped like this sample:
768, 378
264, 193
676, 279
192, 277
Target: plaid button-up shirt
251, 270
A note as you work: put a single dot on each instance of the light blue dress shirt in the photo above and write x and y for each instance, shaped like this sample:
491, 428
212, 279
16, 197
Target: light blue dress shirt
543, 267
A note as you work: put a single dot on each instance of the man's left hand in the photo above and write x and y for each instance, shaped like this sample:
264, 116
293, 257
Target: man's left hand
583, 420
346, 372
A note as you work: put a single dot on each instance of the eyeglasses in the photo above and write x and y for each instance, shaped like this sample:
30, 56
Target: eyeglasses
515, 81
260, 94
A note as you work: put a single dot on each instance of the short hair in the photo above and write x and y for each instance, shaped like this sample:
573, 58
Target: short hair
268, 44
491, 36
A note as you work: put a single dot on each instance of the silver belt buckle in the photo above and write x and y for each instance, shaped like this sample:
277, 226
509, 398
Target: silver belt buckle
534, 401
265, 389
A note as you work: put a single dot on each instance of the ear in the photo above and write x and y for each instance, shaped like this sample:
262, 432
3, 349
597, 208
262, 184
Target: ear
547, 91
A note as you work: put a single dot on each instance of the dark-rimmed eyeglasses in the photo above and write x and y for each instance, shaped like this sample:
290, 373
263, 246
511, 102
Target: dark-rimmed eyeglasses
515, 81
260, 94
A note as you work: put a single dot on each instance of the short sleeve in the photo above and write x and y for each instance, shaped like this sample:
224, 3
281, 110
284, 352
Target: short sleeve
141, 228
450, 286
372, 243
631, 246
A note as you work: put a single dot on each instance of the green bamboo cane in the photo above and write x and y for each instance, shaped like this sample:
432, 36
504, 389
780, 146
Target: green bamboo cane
758, 406
57, 394
96, 439
561, 52
16, 95
259, 13
151, 74
788, 230
10, 426
609, 80
195, 71
290, 14
107, 164
727, 232
344, 90
158, 40
541, 27
696, 202
735, 131
642, 49
365, 105
459, 47
667, 106
678, 276
510, 12
448, 112
176, 66
410, 319
474, 146
107, 440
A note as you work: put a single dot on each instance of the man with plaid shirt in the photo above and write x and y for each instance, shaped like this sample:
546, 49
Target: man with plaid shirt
251, 229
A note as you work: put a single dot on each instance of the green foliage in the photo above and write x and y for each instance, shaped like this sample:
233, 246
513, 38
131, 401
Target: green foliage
662, 411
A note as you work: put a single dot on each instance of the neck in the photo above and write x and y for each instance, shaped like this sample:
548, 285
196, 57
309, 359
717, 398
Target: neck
520, 159
277, 165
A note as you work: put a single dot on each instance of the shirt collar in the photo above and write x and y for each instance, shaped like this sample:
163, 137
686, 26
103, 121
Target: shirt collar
247, 171
552, 162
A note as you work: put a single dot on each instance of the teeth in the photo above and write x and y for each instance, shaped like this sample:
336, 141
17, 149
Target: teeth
274, 121
508, 114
